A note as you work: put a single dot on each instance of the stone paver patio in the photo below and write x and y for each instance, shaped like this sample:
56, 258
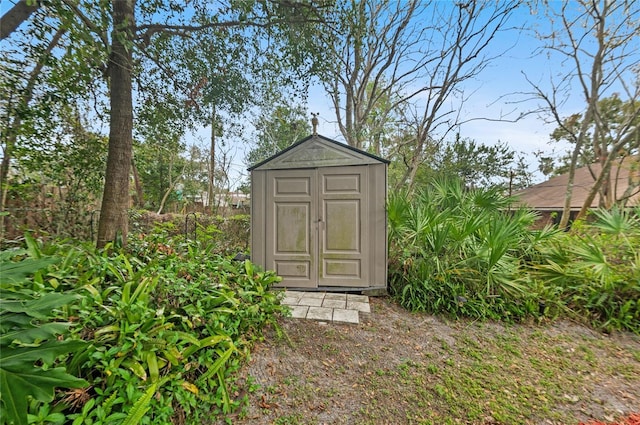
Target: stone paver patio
325, 306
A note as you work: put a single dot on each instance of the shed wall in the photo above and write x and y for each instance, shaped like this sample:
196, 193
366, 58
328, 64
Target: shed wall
321, 161
375, 226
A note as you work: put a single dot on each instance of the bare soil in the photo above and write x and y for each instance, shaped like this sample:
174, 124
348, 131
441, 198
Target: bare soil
398, 367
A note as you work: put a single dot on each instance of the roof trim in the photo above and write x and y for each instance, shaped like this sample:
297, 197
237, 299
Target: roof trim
326, 139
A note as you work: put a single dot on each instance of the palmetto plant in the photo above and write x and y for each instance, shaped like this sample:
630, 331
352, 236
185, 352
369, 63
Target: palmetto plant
595, 269
459, 251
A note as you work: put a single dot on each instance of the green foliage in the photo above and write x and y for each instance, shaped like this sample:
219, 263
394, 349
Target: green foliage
593, 272
283, 126
460, 252
616, 120
477, 164
57, 198
463, 253
160, 334
32, 337
223, 235
190, 58
180, 321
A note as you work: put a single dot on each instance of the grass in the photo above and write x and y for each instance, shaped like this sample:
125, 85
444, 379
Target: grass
415, 369
293, 419
502, 379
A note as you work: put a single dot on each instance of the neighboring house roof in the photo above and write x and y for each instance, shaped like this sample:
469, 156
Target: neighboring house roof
550, 195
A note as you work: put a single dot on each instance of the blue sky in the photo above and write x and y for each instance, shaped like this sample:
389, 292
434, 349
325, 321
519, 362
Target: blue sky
500, 89
493, 94
493, 91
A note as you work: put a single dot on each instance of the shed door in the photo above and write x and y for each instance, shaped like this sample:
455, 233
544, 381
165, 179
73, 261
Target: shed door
316, 221
291, 226
342, 218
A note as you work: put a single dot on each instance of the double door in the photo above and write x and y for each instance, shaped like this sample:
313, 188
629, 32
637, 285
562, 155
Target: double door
316, 226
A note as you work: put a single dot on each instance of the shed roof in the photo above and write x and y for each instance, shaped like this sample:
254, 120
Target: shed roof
317, 151
549, 195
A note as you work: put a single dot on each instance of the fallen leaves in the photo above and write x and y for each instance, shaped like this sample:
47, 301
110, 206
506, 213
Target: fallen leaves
264, 404
632, 419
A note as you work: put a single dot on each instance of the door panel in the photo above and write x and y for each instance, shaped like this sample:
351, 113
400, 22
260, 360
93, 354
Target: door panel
292, 226
342, 225
343, 239
336, 268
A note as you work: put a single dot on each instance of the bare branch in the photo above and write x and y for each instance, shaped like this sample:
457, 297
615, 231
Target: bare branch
598, 44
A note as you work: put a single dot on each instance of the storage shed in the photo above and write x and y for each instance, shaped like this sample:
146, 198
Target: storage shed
318, 216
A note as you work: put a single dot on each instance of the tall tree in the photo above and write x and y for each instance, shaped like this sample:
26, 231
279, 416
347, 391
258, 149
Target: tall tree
114, 220
458, 49
126, 34
409, 58
367, 59
277, 129
127, 30
223, 73
597, 44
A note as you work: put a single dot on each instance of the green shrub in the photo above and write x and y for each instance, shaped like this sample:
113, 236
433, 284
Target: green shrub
461, 252
34, 338
223, 235
162, 330
593, 272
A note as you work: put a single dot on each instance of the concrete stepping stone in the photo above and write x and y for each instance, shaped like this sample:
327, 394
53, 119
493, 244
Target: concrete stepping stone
327, 307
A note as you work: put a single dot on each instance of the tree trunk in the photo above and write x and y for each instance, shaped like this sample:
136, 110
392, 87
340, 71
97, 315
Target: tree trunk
566, 209
592, 96
212, 179
603, 179
415, 164
409, 176
138, 184
114, 222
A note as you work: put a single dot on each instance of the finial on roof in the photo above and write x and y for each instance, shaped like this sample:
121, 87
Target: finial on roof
314, 122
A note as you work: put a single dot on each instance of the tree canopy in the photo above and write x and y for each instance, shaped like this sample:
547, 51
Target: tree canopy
129, 80
123, 50
281, 127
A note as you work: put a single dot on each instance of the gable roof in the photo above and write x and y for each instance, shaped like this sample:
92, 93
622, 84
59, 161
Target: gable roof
317, 151
549, 195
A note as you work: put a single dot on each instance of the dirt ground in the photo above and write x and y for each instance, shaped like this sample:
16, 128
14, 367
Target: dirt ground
397, 367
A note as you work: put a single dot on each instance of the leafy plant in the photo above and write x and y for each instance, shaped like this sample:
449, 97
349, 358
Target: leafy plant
461, 251
32, 338
161, 331
594, 271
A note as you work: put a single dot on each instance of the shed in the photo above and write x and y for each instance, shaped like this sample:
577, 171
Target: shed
318, 216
